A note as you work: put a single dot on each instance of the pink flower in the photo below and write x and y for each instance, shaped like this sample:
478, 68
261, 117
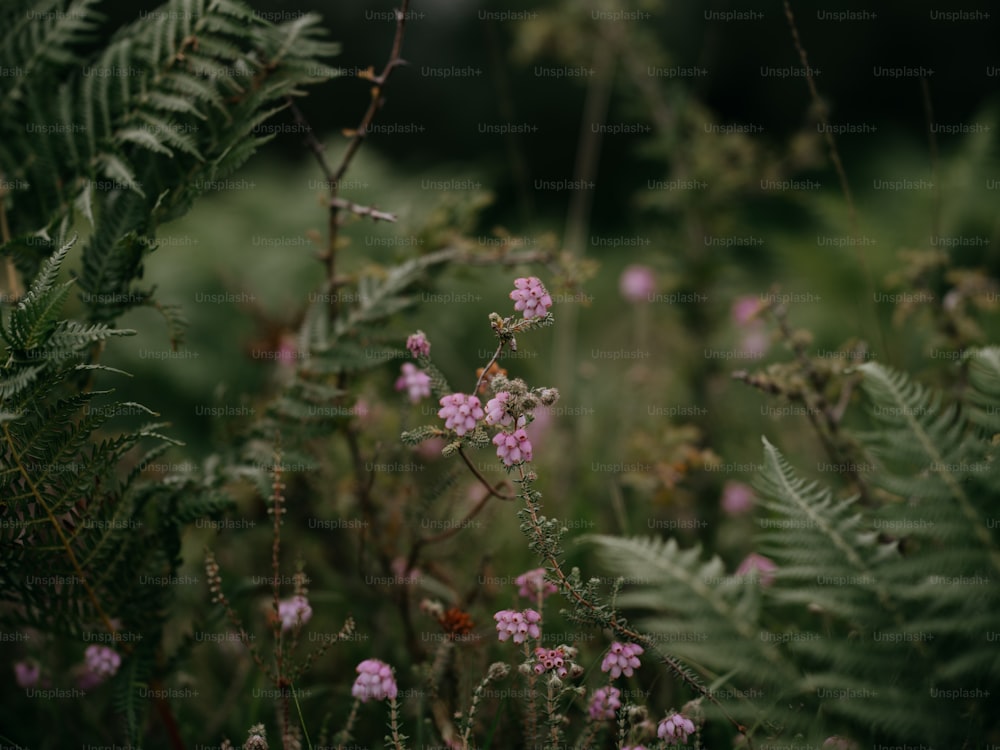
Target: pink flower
744, 310
604, 703
755, 342
763, 565
294, 611
675, 729
529, 295
637, 283
737, 498
374, 681
418, 344
513, 447
27, 673
101, 663
288, 349
552, 660
533, 583
415, 381
496, 410
520, 625
622, 658
460, 412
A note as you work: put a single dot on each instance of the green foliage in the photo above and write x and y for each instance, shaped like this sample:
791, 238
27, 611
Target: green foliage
90, 546
877, 624
120, 137
130, 135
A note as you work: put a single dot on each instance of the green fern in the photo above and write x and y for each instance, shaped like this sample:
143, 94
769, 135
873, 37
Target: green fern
876, 608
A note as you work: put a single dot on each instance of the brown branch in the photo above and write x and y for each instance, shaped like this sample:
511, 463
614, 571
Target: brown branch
359, 210
334, 177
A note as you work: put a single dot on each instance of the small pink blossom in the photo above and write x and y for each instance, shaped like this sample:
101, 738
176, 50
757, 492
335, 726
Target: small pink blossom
745, 309
622, 658
100, 663
460, 412
27, 673
496, 410
533, 583
293, 611
517, 625
529, 296
604, 703
755, 342
675, 729
737, 498
418, 344
760, 564
416, 382
513, 447
637, 283
374, 681
552, 660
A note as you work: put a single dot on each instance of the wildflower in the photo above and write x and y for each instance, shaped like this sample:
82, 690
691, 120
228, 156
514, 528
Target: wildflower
637, 283
101, 663
418, 344
520, 625
604, 703
513, 447
294, 611
737, 498
256, 738
496, 410
529, 296
763, 565
533, 584
675, 729
374, 680
416, 382
554, 660
460, 412
621, 658
744, 310
27, 673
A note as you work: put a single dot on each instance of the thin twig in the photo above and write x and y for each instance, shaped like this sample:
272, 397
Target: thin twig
359, 210
831, 144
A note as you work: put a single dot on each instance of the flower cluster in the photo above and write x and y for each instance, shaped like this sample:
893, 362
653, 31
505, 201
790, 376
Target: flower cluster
374, 681
533, 584
754, 564
293, 611
604, 703
418, 344
415, 381
554, 660
517, 625
637, 283
513, 447
99, 663
27, 673
460, 412
497, 411
622, 658
675, 729
530, 297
